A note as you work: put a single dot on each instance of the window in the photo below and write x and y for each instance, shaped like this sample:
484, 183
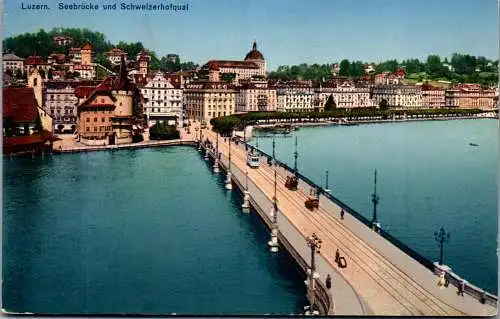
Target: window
95, 119
95, 128
87, 129
103, 119
88, 119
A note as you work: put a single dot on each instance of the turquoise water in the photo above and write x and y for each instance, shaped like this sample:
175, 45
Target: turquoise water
136, 231
428, 176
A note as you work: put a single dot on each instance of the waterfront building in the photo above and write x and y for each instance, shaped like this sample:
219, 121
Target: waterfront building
254, 65
106, 115
22, 117
206, 100
163, 99
295, 96
62, 40
433, 97
470, 96
60, 101
400, 96
255, 96
345, 95
115, 55
12, 62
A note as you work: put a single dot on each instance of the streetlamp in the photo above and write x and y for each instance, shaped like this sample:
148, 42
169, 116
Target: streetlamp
273, 243
375, 200
246, 196
216, 156
274, 149
327, 190
314, 242
441, 237
229, 185
295, 155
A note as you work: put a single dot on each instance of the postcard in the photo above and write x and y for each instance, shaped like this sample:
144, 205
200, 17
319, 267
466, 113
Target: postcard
194, 157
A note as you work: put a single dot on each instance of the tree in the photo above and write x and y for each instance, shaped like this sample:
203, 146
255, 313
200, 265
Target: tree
163, 131
434, 66
19, 74
383, 105
344, 67
330, 104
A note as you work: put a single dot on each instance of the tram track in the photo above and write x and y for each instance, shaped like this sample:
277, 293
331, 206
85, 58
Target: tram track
411, 296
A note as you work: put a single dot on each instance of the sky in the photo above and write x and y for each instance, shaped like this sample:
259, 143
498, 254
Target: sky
287, 31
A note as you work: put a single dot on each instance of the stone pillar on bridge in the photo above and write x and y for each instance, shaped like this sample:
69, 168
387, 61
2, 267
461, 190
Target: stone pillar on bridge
206, 153
229, 184
216, 164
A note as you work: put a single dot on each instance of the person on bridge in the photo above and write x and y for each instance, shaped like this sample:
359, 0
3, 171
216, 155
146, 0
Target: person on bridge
342, 214
337, 256
328, 282
461, 288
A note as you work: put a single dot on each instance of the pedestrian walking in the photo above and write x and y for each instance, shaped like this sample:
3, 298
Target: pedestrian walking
483, 297
461, 288
342, 214
328, 282
337, 256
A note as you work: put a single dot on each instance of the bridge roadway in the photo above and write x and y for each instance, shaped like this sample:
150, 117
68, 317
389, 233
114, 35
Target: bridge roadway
387, 280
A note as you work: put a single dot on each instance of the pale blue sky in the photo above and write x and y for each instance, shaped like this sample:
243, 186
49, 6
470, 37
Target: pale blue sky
287, 31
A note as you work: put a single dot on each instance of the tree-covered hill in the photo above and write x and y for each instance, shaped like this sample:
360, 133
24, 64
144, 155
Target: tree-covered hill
41, 43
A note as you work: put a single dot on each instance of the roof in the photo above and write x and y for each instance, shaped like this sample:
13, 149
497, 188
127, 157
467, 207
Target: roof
207, 85
20, 105
87, 46
254, 54
11, 57
34, 60
217, 64
115, 51
22, 140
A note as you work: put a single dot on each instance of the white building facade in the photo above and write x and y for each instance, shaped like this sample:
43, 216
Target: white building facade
256, 96
207, 100
163, 100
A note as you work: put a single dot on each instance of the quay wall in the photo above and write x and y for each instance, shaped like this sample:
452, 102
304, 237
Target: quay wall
148, 144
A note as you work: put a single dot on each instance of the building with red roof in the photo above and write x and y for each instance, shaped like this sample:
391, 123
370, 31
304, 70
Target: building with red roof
22, 129
253, 65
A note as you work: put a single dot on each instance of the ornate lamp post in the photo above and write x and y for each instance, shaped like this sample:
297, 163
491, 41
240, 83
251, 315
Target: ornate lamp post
295, 156
199, 141
314, 242
246, 196
375, 200
274, 149
441, 237
327, 190
216, 156
229, 184
273, 243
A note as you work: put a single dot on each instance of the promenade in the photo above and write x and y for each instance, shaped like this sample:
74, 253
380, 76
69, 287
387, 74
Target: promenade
380, 279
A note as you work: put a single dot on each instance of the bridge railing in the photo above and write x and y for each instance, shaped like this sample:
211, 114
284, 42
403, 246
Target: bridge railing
454, 279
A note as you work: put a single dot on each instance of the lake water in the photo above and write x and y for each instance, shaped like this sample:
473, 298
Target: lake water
428, 176
136, 231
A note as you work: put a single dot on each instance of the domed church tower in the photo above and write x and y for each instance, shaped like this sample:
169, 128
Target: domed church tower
256, 57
